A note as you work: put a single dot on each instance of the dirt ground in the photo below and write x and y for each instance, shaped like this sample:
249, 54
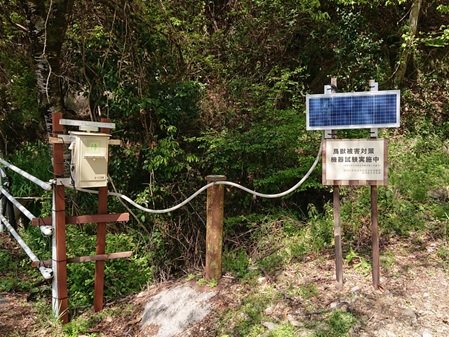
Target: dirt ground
413, 300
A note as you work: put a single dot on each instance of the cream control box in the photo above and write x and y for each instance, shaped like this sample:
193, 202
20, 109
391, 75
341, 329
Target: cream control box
89, 166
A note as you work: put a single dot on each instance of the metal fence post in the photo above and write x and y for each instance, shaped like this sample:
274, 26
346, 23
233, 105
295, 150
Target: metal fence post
214, 230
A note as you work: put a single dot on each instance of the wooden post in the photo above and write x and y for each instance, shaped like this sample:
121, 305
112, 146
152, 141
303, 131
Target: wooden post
375, 238
374, 217
101, 242
337, 237
59, 252
337, 225
214, 229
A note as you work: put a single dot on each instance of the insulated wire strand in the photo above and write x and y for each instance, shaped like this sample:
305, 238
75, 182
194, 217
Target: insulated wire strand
171, 209
278, 195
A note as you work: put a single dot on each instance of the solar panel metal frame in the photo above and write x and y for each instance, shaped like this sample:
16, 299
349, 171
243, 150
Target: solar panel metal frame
387, 114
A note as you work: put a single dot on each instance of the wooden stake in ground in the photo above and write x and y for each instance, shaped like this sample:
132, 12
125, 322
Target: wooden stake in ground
374, 216
337, 225
337, 237
375, 238
214, 230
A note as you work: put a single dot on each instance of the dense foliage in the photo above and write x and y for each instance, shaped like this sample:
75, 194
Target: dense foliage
218, 87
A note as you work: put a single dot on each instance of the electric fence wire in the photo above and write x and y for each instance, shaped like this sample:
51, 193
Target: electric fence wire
194, 195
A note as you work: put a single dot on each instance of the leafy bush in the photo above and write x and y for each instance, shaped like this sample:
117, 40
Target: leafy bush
122, 276
33, 158
16, 273
320, 228
236, 262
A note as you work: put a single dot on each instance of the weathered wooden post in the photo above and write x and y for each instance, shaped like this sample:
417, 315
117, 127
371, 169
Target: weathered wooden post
336, 207
214, 229
59, 251
374, 215
101, 239
337, 237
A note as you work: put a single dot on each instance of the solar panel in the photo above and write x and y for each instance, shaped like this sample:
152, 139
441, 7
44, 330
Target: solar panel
356, 110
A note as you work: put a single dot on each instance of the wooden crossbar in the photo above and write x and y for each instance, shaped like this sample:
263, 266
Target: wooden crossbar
82, 219
102, 257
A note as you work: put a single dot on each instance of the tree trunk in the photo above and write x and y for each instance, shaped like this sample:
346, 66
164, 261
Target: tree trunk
47, 24
413, 29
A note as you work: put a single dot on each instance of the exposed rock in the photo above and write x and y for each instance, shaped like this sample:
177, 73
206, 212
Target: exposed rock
269, 325
174, 310
441, 194
409, 315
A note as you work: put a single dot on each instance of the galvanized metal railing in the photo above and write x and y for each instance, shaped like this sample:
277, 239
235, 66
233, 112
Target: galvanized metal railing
47, 273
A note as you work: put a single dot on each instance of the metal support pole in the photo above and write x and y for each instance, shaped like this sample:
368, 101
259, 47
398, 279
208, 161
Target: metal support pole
214, 230
59, 251
374, 217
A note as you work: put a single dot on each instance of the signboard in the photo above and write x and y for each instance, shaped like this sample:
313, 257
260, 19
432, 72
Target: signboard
355, 162
355, 110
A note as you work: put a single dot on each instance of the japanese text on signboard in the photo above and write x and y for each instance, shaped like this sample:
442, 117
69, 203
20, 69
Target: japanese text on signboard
355, 160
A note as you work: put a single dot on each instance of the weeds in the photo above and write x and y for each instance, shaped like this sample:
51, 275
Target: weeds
337, 325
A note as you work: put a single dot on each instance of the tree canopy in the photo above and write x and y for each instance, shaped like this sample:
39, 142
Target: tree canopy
203, 65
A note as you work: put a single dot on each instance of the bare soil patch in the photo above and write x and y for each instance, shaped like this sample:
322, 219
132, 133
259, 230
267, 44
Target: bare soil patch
413, 301
17, 317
